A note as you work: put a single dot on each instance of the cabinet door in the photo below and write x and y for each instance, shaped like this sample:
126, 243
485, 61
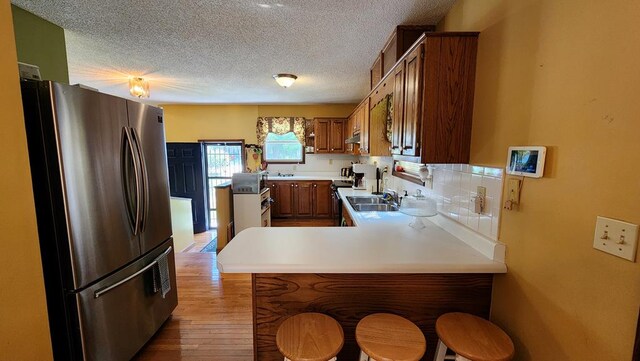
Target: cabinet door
376, 71
285, 206
273, 187
398, 110
413, 102
363, 115
321, 130
303, 199
336, 137
322, 203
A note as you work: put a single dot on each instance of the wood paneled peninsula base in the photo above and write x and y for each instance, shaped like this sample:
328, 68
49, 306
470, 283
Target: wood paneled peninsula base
349, 297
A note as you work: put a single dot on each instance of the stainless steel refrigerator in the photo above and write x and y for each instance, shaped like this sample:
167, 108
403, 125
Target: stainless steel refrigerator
99, 170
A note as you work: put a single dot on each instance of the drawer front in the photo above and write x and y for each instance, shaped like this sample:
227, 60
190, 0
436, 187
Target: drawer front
125, 315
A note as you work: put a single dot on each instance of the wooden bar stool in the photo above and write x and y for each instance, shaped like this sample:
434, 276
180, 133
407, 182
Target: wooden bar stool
387, 337
310, 337
472, 338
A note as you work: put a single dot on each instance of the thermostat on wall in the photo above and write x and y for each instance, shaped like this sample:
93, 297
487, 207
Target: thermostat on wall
526, 161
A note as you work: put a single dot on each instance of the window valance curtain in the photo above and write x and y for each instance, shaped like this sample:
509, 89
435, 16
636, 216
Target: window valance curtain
280, 125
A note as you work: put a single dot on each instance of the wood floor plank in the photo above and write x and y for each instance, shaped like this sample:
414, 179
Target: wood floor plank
213, 320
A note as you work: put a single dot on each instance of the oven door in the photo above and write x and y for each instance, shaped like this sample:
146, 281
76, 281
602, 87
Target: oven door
337, 207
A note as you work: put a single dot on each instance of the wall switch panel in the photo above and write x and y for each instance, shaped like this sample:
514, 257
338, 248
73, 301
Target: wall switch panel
513, 190
616, 237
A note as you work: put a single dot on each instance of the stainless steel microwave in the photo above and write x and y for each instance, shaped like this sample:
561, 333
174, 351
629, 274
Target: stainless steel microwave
248, 183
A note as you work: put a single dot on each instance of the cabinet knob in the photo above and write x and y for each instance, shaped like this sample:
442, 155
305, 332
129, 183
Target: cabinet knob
315, 186
291, 185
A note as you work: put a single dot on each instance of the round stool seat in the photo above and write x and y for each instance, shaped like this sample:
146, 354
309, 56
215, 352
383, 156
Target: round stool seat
310, 337
474, 338
387, 337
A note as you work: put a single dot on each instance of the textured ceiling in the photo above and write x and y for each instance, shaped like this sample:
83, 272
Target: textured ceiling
225, 51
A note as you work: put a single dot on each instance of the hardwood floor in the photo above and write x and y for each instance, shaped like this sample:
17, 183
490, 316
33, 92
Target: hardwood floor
213, 320
201, 240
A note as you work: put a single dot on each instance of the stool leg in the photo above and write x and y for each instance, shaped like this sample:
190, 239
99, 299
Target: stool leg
441, 351
460, 358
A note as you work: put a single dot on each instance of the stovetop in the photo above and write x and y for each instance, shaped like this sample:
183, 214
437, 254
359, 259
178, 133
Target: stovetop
342, 183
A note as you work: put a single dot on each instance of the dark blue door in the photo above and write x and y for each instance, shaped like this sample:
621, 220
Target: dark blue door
186, 179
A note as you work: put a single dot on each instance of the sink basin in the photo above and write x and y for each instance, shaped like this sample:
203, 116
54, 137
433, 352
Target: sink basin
371, 204
366, 200
375, 207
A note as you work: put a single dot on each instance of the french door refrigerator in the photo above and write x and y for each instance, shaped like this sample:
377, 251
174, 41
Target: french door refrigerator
99, 171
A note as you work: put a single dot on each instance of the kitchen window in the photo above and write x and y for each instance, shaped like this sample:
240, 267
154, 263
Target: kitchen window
283, 148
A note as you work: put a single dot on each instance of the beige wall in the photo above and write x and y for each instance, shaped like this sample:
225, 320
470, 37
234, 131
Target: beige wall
24, 330
190, 123
565, 74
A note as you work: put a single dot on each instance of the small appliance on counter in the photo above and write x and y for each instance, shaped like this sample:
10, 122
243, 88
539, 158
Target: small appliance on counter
362, 174
249, 183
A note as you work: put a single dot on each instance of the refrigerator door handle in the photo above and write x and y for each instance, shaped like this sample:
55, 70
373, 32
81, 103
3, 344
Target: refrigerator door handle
136, 171
103, 291
144, 182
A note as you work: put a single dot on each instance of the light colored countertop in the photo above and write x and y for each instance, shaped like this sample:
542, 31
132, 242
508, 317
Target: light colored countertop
307, 177
382, 242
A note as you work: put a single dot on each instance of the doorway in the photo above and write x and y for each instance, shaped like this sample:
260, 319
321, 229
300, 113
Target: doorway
222, 159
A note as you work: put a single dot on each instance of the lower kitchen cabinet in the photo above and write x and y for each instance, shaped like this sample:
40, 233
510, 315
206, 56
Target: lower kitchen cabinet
346, 219
301, 199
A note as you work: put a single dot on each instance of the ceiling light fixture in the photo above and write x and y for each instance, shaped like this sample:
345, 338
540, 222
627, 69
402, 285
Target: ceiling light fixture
285, 80
139, 87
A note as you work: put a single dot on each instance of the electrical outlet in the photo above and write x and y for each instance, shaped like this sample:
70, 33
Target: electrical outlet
616, 237
513, 190
481, 191
330, 161
295, 167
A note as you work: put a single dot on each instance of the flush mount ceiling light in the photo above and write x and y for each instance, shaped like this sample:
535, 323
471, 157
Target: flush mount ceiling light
285, 80
138, 87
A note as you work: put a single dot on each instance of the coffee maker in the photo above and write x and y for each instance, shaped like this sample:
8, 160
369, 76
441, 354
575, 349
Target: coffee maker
359, 182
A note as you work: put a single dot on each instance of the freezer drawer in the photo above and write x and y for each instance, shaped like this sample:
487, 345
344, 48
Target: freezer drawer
117, 318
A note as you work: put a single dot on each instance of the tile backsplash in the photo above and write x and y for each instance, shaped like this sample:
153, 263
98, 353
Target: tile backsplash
454, 186
315, 163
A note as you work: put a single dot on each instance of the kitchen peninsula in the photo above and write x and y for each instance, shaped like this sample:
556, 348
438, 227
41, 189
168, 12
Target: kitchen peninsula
381, 265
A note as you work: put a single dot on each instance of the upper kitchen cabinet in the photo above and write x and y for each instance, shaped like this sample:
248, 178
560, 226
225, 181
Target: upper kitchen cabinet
433, 87
400, 40
376, 71
329, 135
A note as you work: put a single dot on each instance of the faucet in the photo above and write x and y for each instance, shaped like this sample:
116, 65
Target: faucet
390, 194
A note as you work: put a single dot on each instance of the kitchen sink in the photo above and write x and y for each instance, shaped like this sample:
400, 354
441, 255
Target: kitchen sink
366, 200
371, 204
375, 207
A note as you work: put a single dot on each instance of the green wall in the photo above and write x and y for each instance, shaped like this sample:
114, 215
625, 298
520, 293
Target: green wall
41, 43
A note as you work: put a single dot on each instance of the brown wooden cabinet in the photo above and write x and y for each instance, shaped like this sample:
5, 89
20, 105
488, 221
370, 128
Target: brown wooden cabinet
283, 194
433, 99
301, 199
346, 219
322, 202
337, 136
329, 135
412, 101
376, 71
321, 129
400, 40
397, 125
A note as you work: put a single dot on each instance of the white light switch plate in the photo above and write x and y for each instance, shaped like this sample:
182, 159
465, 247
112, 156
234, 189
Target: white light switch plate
616, 237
